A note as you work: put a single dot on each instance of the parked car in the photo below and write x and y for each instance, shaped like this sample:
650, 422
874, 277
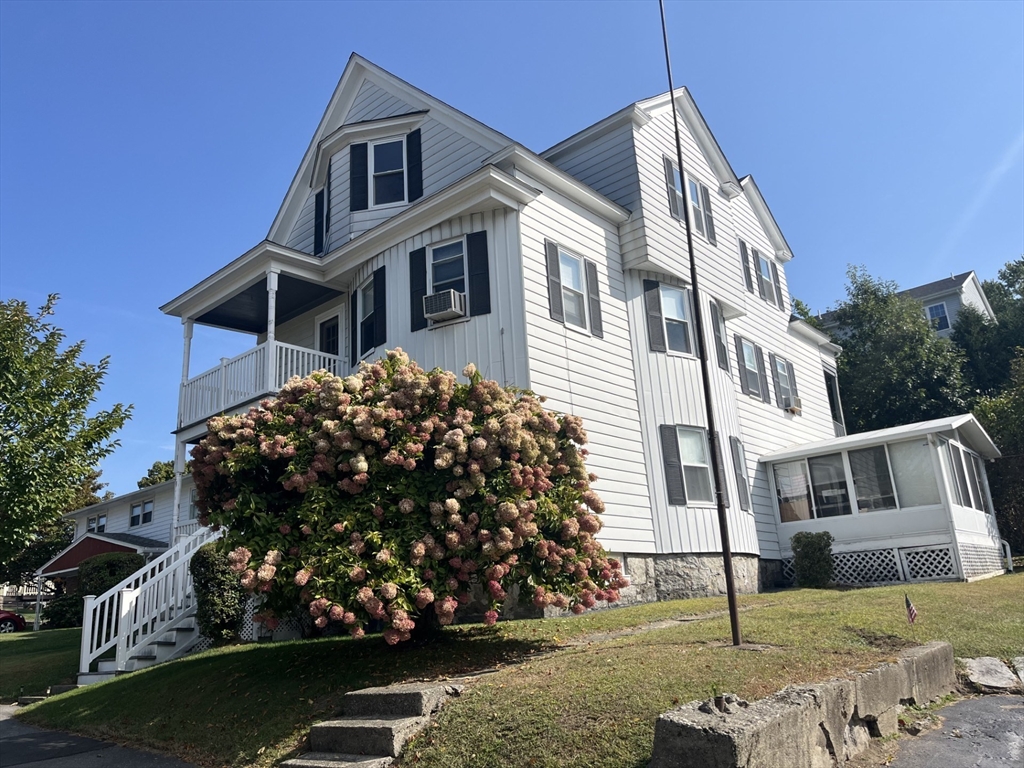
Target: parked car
10, 622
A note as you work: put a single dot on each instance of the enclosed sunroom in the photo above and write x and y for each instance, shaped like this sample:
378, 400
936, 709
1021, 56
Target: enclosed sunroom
910, 503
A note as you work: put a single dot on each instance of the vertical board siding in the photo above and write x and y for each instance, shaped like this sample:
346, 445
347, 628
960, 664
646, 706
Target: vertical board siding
588, 376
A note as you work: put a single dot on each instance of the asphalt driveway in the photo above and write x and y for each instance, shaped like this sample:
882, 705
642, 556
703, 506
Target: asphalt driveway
22, 744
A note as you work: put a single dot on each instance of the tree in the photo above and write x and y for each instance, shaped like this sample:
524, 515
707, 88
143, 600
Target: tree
804, 312
989, 346
50, 442
1003, 418
385, 496
160, 472
894, 369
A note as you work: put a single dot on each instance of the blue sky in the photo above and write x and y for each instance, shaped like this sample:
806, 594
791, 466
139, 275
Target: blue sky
145, 145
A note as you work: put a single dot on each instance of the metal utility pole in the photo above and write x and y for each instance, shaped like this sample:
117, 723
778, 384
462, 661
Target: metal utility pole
705, 374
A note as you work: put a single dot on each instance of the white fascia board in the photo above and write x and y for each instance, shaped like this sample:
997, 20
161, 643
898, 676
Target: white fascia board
764, 215
981, 292
123, 498
516, 156
729, 185
631, 114
485, 189
965, 423
813, 335
357, 133
357, 71
247, 269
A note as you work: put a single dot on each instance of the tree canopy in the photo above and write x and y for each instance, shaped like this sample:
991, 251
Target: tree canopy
160, 472
893, 369
51, 434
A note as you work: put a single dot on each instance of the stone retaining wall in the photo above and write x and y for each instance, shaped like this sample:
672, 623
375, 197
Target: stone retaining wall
815, 726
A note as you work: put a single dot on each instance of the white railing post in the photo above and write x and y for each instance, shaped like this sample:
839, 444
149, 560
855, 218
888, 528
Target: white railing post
124, 626
222, 403
88, 631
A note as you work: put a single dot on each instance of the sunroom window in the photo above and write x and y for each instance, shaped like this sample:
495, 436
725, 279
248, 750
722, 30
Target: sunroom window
812, 489
871, 480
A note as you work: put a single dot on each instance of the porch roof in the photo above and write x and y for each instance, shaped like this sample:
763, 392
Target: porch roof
966, 425
92, 544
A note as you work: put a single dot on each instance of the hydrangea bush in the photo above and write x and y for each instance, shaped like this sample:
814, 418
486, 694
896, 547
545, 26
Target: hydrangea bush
386, 495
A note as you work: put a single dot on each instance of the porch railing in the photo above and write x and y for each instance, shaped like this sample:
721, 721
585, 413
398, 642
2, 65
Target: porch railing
255, 372
142, 606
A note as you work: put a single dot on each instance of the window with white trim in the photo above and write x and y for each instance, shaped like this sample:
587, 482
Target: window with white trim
687, 467
675, 312
387, 172
937, 316
764, 278
718, 327
739, 464
366, 317
141, 514
574, 299
96, 524
812, 488
872, 483
448, 267
751, 377
193, 509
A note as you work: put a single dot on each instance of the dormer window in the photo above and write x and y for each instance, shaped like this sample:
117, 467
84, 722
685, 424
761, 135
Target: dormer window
387, 171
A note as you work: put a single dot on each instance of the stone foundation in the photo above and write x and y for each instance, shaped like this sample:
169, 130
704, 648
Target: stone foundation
681, 576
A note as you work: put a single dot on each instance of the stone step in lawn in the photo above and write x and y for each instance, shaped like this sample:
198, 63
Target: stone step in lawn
365, 735
407, 700
333, 760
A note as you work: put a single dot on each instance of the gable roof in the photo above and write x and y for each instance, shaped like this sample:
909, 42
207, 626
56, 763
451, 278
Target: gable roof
946, 285
358, 71
92, 544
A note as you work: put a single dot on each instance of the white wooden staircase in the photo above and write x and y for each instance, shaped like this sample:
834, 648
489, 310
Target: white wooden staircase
146, 619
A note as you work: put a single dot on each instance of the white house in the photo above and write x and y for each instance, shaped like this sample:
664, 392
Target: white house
409, 224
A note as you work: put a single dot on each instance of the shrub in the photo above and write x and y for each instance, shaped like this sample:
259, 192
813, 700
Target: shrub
99, 573
63, 611
812, 559
386, 495
220, 599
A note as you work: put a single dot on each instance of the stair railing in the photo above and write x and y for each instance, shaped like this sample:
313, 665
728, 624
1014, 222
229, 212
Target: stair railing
143, 605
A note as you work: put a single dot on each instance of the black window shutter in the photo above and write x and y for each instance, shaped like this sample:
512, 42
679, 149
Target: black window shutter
673, 465
414, 159
327, 206
721, 346
742, 369
673, 196
739, 465
708, 217
318, 223
778, 285
479, 274
773, 364
353, 329
380, 308
745, 257
720, 463
554, 282
594, 299
792, 379
417, 288
766, 394
655, 326
756, 259
359, 178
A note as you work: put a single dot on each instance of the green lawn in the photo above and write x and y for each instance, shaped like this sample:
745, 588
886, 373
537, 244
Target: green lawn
36, 660
557, 697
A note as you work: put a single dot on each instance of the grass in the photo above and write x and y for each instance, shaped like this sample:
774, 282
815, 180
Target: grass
565, 691
36, 660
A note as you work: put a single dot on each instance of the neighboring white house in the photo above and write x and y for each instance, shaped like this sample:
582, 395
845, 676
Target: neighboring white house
409, 224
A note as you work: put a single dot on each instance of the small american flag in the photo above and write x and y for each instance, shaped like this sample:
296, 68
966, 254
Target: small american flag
911, 610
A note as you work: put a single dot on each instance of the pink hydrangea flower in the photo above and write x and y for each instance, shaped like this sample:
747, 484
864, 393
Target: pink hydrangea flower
491, 618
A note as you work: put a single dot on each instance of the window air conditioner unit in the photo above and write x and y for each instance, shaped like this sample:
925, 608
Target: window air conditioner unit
445, 305
791, 404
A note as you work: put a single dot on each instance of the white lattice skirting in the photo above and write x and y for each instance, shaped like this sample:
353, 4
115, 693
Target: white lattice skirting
979, 559
889, 566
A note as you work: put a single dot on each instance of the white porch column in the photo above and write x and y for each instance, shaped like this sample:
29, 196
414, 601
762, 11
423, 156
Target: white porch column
185, 358
271, 328
179, 469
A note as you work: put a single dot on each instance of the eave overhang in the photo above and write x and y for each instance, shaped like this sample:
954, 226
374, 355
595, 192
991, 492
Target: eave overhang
810, 333
764, 215
516, 156
632, 114
359, 132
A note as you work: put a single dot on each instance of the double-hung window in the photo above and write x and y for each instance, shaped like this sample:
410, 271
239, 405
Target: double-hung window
834, 404
460, 265
573, 290
718, 327
694, 196
938, 317
329, 335
669, 318
448, 267
761, 275
141, 513
96, 524
193, 509
739, 464
784, 377
688, 475
387, 172
368, 326
753, 378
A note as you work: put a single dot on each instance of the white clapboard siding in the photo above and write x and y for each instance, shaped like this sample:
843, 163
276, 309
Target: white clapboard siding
447, 157
118, 512
671, 392
587, 376
495, 342
373, 103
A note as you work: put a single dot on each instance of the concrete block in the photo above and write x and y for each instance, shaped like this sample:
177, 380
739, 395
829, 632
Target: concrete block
882, 688
989, 675
409, 700
365, 735
930, 670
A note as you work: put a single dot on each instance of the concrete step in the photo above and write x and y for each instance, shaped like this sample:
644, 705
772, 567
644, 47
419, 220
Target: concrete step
408, 700
365, 735
24, 701
95, 677
55, 689
333, 760
106, 665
